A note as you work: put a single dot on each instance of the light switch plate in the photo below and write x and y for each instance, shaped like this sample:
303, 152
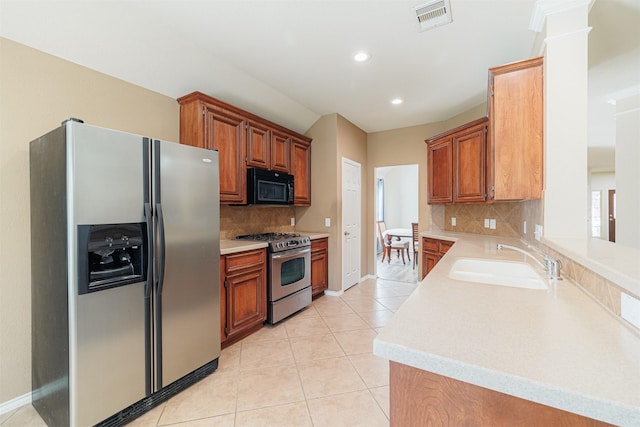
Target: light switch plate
327, 222
453, 221
492, 224
293, 220
524, 227
486, 223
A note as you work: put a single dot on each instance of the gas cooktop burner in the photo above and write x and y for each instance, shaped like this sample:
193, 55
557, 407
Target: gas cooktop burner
279, 241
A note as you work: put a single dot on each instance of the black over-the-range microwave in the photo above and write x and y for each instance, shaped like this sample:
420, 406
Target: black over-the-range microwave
265, 187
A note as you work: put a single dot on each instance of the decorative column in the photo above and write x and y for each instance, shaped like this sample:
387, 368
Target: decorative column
564, 24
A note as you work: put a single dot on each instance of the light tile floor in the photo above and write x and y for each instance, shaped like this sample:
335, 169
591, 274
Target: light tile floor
313, 369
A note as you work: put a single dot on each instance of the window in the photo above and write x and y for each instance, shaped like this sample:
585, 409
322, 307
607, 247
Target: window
380, 198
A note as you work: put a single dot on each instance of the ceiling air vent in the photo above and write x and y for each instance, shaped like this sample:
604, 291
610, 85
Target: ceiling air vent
433, 14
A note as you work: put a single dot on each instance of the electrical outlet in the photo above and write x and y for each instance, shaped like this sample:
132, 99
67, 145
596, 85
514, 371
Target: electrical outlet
293, 220
630, 309
486, 223
537, 232
492, 223
327, 222
453, 221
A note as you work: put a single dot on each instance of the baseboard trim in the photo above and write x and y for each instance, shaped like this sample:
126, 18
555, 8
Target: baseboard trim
15, 403
333, 293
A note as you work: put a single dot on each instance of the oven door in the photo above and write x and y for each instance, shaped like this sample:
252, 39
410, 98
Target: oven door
290, 271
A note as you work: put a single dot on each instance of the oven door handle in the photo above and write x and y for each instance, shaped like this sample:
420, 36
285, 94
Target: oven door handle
293, 253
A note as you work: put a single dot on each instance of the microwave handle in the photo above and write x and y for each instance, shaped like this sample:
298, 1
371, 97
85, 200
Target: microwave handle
291, 192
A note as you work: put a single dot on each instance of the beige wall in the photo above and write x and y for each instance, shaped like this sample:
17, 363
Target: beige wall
405, 146
334, 137
324, 181
37, 92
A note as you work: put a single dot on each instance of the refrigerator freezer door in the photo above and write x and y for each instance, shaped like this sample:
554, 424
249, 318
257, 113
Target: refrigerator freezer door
107, 328
187, 197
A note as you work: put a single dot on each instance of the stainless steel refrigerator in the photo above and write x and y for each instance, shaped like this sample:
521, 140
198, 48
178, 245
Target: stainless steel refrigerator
125, 272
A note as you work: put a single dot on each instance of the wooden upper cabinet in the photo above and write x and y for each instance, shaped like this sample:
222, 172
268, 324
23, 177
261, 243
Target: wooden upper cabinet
301, 171
280, 159
258, 144
244, 140
214, 128
440, 167
225, 133
469, 148
456, 163
515, 110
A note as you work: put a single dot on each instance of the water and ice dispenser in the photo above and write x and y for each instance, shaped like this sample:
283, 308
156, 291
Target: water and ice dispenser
110, 255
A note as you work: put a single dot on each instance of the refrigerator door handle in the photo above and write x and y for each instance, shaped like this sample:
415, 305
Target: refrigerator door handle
149, 222
161, 247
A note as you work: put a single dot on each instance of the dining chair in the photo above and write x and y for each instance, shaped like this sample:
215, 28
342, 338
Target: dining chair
388, 245
416, 243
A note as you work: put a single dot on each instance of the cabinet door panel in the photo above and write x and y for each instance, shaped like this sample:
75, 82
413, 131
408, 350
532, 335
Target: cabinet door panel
319, 266
469, 166
258, 146
280, 153
301, 170
439, 160
226, 133
516, 112
246, 300
223, 302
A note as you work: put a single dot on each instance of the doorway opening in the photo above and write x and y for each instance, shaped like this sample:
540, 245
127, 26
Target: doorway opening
396, 205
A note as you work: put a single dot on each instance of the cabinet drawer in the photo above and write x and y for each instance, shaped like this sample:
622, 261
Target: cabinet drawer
319, 245
430, 245
244, 260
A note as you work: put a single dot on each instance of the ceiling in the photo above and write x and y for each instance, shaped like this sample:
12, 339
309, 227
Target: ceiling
291, 61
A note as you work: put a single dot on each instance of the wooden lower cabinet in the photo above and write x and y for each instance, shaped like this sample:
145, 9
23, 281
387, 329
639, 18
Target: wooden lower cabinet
432, 251
243, 293
421, 398
319, 266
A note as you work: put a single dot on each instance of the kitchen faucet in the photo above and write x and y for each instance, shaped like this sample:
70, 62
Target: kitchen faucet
550, 265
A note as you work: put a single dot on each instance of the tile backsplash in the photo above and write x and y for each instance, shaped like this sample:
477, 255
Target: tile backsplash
470, 218
238, 220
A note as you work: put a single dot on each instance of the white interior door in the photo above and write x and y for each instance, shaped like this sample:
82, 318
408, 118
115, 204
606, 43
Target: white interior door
351, 214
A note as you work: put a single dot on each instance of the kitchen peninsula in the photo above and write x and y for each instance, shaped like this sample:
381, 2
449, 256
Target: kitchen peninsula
507, 350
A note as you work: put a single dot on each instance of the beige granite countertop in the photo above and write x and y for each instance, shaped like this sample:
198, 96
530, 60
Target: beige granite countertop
313, 235
233, 246
557, 348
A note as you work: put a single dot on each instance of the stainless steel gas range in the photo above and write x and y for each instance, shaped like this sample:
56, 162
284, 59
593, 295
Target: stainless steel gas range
289, 273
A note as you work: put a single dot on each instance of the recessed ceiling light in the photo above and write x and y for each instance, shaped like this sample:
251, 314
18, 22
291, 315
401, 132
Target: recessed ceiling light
397, 101
361, 56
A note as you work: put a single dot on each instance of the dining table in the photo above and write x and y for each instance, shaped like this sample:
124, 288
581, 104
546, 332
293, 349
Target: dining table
397, 232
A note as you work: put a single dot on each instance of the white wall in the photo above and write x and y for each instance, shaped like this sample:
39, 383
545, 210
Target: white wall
603, 182
628, 171
401, 195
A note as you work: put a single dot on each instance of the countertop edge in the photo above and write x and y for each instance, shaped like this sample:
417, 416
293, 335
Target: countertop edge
606, 411
228, 247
